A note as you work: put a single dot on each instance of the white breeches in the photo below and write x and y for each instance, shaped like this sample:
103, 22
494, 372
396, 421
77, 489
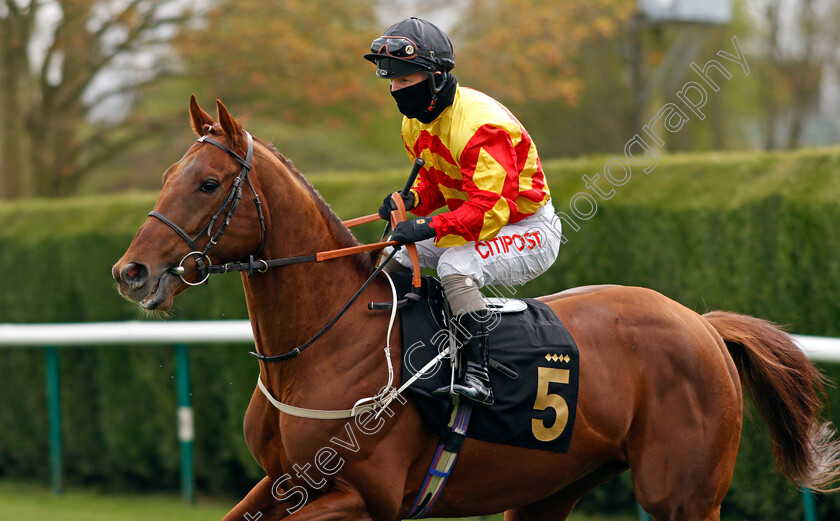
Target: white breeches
517, 254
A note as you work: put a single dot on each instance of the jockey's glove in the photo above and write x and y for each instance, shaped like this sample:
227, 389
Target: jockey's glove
413, 231
388, 205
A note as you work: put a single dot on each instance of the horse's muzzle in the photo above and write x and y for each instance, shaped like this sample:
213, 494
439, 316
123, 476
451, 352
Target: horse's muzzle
132, 274
136, 283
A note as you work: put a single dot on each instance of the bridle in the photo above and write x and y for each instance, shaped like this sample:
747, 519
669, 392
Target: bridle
230, 204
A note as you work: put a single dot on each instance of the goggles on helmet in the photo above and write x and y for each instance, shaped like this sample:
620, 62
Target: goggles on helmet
397, 56
414, 42
395, 46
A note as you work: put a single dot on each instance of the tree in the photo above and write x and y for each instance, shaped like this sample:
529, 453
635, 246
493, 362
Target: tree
817, 24
299, 60
89, 61
798, 41
526, 49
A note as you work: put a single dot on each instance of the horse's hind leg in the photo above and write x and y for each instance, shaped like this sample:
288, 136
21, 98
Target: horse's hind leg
553, 508
684, 483
682, 460
560, 505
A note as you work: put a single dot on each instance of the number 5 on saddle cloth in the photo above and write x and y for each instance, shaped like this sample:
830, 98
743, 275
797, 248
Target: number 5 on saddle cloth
534, 372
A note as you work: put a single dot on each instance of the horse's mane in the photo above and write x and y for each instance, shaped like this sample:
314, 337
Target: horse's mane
336, 228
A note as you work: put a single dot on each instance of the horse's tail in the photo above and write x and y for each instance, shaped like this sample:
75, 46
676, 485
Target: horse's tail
786, 388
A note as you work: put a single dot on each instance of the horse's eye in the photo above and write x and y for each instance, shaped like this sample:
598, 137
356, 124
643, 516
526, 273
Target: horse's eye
209, 186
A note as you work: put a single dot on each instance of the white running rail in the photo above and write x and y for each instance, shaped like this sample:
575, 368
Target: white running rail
821, 349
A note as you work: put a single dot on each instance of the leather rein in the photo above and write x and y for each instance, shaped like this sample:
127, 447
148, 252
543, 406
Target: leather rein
230, 205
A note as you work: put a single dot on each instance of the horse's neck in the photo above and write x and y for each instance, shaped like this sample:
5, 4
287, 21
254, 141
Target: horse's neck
289, 305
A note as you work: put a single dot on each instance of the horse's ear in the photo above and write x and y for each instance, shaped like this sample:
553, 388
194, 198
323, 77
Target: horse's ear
202, 122
229, 125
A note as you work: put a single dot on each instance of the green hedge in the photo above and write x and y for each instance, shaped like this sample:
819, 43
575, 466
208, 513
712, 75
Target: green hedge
754, 233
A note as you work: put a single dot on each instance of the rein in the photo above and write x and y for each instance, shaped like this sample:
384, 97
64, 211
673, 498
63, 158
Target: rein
388, 393
230, 204
298, 350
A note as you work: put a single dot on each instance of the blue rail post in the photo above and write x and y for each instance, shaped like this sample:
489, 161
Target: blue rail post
54, 407
186, 426
809, 505
643, 516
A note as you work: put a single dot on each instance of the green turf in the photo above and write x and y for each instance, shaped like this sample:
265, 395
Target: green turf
19, 502
27, 502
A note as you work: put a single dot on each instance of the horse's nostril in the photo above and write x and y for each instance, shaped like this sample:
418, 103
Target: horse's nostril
134, 273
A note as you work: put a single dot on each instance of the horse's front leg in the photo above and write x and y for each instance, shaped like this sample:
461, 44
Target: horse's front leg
341, 502
259, 504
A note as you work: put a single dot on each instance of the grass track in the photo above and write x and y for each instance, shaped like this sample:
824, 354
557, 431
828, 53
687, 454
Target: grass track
27, 502
19, 502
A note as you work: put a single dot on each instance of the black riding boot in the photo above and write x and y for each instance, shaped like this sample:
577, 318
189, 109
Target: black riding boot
474, 382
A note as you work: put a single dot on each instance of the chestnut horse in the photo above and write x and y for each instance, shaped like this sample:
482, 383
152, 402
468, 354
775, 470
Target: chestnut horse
660, 392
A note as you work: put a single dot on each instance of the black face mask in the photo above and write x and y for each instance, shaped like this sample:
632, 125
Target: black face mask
416, 101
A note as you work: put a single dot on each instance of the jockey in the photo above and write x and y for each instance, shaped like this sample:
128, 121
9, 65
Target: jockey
500, 227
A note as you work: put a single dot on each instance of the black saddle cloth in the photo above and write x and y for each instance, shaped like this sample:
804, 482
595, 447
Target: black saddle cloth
536, 409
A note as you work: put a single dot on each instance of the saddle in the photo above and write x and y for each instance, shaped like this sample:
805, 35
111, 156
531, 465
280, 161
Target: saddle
534, 367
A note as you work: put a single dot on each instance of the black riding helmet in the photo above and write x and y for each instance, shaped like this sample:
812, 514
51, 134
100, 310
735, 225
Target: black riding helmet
413, 45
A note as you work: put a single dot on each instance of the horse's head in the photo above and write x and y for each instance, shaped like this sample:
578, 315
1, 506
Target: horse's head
198, 205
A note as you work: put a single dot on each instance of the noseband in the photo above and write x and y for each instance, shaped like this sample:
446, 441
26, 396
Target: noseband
230, 204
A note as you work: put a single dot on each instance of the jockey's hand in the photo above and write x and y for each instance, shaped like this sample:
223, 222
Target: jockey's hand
389, 206
413, 231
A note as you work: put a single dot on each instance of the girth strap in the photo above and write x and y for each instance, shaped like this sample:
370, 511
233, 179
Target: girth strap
443, 462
